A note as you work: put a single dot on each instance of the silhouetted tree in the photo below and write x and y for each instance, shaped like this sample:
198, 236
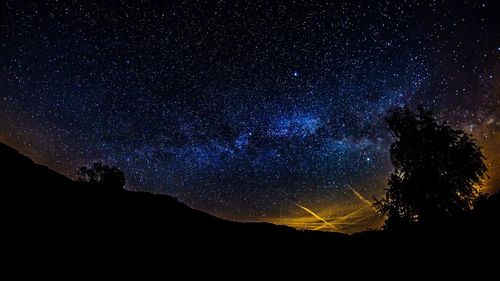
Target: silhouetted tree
101, 174
437, 170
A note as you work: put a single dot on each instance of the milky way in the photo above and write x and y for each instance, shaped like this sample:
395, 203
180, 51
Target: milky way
242, 108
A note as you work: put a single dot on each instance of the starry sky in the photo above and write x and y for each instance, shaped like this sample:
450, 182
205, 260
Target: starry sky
249, 110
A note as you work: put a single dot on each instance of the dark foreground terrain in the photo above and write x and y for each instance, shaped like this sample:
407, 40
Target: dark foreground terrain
60, 228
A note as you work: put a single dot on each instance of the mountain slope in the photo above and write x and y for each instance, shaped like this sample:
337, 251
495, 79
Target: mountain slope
46, 208
45, 197
72, 229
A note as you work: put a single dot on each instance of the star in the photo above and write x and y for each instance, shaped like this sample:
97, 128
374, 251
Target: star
242, 109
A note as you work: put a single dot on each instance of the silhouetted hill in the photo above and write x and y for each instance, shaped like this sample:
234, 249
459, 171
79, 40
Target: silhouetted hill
59, 227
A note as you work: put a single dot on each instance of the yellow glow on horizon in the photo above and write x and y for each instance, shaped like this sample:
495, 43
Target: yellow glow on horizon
318, 217
341, 220
347, 216
363, 199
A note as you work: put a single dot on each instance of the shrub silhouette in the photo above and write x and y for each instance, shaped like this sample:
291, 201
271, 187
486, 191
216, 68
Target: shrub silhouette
438, 171
104, 175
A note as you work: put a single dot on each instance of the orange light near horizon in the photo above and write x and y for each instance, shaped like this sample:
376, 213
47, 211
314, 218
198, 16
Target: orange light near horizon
345, 217
363, 199
318, 217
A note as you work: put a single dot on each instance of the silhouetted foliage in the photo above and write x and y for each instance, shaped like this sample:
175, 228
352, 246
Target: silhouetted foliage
437, 170
101, 174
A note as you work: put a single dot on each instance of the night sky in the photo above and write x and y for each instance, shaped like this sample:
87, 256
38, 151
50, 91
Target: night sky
245, 109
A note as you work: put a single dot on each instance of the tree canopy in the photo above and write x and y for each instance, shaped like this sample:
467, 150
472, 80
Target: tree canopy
438, 170
101, 174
